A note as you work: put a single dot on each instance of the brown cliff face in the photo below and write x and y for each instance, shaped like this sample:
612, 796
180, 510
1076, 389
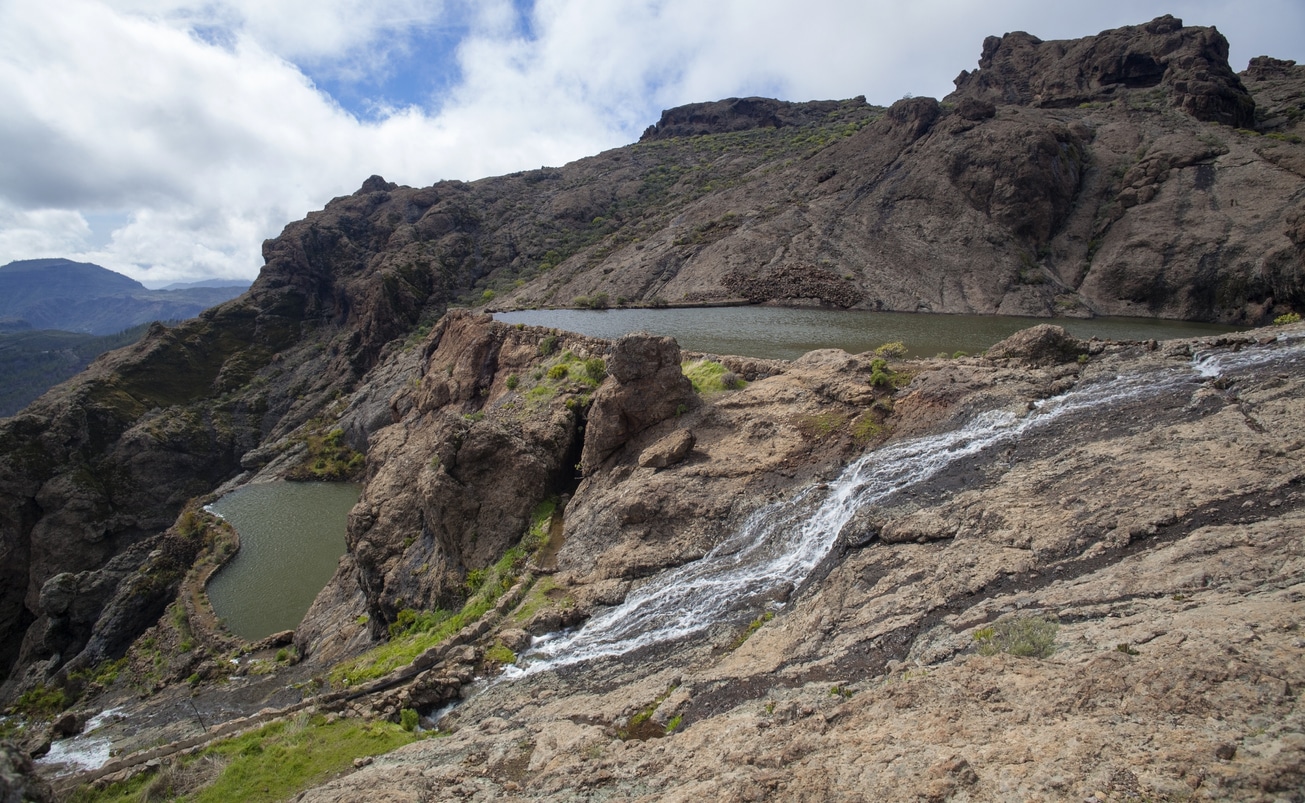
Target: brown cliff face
104, 462
488, 428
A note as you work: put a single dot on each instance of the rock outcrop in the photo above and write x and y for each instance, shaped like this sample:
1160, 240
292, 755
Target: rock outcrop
648, 388
739, 114
1189, 63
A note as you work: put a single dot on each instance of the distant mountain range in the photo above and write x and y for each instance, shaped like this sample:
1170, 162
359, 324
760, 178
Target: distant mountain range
57, 315
82, 297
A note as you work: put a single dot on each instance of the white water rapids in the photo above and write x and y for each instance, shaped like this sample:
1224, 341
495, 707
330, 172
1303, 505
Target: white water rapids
781, 544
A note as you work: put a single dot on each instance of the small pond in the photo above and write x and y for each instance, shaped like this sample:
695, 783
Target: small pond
781, 332
291, 537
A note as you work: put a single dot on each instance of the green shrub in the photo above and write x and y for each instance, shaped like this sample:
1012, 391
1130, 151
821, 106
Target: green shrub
548, 345
596, 369
558, 371
42, 701
512, 381
1286, 318
895, 350
1025, 636
408, 719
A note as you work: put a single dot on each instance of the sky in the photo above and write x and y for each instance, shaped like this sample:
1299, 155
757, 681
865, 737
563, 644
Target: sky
166, 139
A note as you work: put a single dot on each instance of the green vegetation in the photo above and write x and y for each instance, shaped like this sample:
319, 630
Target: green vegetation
895, 350
413, 632
408, 719
818, 426
641, 726
41, 701
595, 301
752, 627
565, 373
328, 456
709, 377
882, 376
867, 428
1286, 318
1024, 635
548, 345
499, 655
273, 763
1126, 649
543, 595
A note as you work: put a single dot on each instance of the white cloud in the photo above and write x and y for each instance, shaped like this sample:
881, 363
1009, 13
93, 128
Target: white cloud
196, 124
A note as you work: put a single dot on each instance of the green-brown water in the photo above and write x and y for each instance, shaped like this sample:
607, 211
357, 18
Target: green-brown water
780, 332
291, 537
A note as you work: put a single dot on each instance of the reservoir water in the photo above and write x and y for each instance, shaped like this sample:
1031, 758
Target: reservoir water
786, 333
291, 537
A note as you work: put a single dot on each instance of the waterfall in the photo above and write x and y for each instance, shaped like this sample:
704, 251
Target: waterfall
782, 543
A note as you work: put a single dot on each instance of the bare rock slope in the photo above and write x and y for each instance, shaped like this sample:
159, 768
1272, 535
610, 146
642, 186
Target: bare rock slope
1147, 500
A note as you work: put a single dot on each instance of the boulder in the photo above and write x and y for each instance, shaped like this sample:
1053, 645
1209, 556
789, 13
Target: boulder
646, 387
1043, 344
668, 451
18, 778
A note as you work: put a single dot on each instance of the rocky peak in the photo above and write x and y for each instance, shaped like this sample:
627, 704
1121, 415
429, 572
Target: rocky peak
1263, 67
1191, 63
739, 114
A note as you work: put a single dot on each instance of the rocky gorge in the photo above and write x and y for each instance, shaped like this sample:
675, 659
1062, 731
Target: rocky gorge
789, 579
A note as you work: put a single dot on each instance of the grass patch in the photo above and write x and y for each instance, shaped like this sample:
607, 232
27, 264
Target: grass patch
1286, 318
710, 377
41, 701
565, 373
414, 632
273, 763
1025, 636
544, 594
499, 655
819, 426
867, 428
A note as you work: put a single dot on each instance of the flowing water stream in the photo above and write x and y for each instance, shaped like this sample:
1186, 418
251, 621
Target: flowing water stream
781, 544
